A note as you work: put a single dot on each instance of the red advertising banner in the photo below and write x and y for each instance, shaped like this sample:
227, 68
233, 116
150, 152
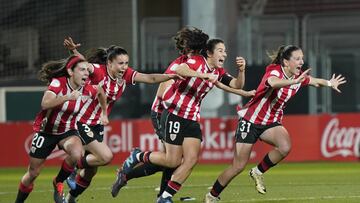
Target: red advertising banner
314, 138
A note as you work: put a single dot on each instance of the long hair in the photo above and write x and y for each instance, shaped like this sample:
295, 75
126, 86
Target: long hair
101, 55
210, 46
284, 52
190, 39
55, 69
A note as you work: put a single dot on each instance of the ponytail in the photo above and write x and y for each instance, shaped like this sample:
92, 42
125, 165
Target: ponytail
284, 52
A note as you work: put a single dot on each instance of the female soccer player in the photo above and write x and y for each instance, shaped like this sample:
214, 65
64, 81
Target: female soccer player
180, 119
55, 124
110, 68
261, 117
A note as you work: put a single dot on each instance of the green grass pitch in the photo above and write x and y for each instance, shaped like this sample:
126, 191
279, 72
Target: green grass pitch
287, 182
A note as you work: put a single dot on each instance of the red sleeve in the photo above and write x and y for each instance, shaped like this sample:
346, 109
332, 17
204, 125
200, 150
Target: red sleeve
57, 85
195, 62
129, 75
172, 67
222, 72
306, 81
98, 74
271, 70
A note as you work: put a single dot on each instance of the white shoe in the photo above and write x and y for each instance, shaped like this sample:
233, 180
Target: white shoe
259, 181
211, 199
70, 199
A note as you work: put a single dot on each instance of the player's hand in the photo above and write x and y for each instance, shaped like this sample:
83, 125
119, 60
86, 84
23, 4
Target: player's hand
70, 44
104, 119
210, 77
74, 95
241, 63
302, 77
336, 81
250, 93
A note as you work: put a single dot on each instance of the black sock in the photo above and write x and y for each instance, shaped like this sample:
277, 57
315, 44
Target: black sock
82, 163
64, 172
23, 192
166, 176
172, 187
81, 185
145, 169
217, 189
145, 157
265, 164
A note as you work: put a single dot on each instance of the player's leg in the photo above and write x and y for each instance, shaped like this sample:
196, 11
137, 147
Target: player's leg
191, 151
83, 180
27, 181
280, 139
241, 156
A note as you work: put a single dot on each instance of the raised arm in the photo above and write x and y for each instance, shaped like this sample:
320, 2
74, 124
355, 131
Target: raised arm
277, 83
71, 46
239, 81
334, 82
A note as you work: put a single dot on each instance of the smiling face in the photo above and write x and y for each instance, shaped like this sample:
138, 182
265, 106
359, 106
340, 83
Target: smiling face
294, 64
217, 58
118, 65
79, 75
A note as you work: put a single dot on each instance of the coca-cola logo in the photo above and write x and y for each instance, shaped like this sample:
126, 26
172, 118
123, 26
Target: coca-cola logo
340, 141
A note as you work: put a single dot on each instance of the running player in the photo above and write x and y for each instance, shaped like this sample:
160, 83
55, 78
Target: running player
261, 117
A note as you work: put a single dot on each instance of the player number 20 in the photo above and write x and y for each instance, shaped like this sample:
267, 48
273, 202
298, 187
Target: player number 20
174, 127
38, 141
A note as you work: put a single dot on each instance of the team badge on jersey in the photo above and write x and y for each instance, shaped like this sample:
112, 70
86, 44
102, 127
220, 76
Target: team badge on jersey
172, 136
55, 83
243, 135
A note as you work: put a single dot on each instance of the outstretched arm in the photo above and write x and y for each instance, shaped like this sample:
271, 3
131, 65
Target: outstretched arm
240, 92
278, 83
154, 78
334, 82
184, 71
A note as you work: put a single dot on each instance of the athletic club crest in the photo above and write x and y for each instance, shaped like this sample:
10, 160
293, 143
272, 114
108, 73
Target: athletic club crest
243, 135
173, 137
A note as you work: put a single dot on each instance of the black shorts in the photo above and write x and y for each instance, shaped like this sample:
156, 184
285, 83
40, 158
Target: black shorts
175, 128
155, 120
43, 144
89, 133
248, 132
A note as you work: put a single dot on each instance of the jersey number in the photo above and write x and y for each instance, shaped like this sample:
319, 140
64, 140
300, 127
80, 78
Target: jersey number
87, 130
38, 140
174, 127
243, 125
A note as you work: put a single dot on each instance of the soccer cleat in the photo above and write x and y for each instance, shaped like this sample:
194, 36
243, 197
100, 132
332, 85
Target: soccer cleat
164, 200
70, 199
119, 183
58, 192
131, 161
259, 181
211, 199
70, 181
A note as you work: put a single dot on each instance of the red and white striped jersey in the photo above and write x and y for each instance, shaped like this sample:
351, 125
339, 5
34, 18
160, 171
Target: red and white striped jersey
267, 105
157, 103
183, 98
62, 118
113, 88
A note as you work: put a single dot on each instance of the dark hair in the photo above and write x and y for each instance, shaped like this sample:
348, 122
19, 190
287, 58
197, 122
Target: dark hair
210, 46
190, 39
101, 55
55, 69
284, 52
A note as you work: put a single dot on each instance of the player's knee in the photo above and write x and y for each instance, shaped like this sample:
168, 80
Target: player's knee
34, 172
173, 162
285, 149
238, 167
191, 162
106, 158
76, 154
